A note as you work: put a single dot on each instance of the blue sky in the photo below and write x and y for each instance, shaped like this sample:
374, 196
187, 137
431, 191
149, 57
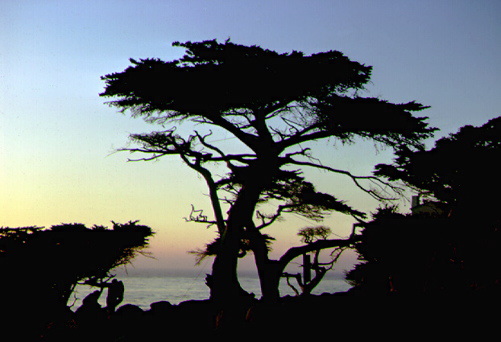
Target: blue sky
57, 135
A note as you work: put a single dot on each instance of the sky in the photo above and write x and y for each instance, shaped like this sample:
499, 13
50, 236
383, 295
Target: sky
58, 138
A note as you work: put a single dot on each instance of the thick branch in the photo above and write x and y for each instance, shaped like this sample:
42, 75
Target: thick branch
304, 136
242, 158
248, 139
294, 252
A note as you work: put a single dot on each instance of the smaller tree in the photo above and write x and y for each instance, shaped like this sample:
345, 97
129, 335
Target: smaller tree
41, 267
451, 251
402, 254
306, 283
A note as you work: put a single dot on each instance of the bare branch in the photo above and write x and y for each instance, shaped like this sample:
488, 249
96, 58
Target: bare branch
166, 143
198, 217
211, 184
355, 179
133, 150
303, 152
271, 218
293, 126
248, 139
296, 276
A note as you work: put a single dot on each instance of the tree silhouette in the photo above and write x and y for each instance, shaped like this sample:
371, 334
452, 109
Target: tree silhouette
458, 170
448, 251
309, 235
41, 267
273, 104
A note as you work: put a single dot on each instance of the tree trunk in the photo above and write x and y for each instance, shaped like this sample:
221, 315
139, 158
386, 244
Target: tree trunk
224, 284
269, 271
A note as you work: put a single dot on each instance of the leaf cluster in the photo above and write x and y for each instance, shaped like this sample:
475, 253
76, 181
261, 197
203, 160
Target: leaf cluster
371, 118
311, 234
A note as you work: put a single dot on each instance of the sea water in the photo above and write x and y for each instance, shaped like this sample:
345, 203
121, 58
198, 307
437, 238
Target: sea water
142, 290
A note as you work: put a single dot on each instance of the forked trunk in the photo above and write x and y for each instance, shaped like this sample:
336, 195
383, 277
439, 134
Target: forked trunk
269, 271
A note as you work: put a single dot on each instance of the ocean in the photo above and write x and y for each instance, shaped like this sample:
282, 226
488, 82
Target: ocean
142, 290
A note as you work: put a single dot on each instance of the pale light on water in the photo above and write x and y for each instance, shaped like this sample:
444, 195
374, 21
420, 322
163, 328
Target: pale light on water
144, 290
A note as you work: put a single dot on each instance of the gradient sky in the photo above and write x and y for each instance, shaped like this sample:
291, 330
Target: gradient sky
57, 137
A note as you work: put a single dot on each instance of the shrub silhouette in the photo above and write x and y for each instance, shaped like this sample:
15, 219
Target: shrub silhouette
40, 267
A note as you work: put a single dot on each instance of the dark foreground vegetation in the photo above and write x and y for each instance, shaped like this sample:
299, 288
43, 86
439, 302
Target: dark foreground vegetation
348, 315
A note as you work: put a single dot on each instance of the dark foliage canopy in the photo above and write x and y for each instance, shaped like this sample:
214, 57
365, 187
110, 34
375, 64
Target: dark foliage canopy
461, 169
239, 87
219, 78
42, 265
451, 251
